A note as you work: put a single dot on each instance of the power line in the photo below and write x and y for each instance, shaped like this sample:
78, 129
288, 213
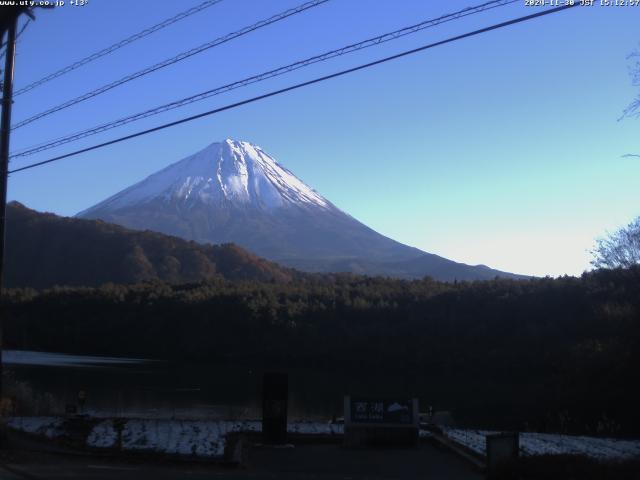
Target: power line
118, 45
263, 76
24, 27
171, 61
300, 85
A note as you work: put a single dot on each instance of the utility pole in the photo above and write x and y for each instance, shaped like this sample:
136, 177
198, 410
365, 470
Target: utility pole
10, 25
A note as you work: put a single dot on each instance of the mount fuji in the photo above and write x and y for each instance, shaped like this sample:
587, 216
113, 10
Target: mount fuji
234, 192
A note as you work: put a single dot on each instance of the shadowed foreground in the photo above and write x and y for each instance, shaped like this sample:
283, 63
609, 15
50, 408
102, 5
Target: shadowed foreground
306, 462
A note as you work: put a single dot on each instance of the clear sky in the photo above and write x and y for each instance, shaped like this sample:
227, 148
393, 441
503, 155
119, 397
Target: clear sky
503, 149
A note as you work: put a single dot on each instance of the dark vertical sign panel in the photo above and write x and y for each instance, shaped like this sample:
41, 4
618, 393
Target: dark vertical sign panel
275, 393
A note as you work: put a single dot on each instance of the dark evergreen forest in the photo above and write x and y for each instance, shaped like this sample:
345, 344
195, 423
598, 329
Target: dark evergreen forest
547, 354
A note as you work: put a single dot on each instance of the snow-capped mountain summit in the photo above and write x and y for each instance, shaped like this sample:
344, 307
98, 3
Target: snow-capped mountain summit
233, 191
235, 172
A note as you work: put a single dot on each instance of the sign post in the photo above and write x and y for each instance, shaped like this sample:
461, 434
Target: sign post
380, 422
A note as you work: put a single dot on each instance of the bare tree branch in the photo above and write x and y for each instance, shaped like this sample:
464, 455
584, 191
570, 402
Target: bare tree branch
620, 249
633, 109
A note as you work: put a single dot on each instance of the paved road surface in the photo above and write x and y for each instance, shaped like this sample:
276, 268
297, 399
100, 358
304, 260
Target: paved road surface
306, 462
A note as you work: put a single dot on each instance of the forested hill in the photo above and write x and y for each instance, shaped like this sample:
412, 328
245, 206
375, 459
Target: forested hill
44, 250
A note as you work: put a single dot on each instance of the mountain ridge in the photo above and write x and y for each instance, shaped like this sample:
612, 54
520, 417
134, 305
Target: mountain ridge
44, 250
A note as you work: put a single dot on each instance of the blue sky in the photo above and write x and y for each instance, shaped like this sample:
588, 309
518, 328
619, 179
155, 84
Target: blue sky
503, 149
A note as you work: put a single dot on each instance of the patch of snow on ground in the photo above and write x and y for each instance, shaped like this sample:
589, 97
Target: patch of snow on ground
189, 437
553, 444
599, 448
103, 435
50, 427
201, 438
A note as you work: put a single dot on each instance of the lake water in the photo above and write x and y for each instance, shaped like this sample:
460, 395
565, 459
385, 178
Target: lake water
147, 388
128, 387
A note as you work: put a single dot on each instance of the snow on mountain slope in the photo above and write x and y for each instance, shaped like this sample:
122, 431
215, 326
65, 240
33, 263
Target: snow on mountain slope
231, 171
